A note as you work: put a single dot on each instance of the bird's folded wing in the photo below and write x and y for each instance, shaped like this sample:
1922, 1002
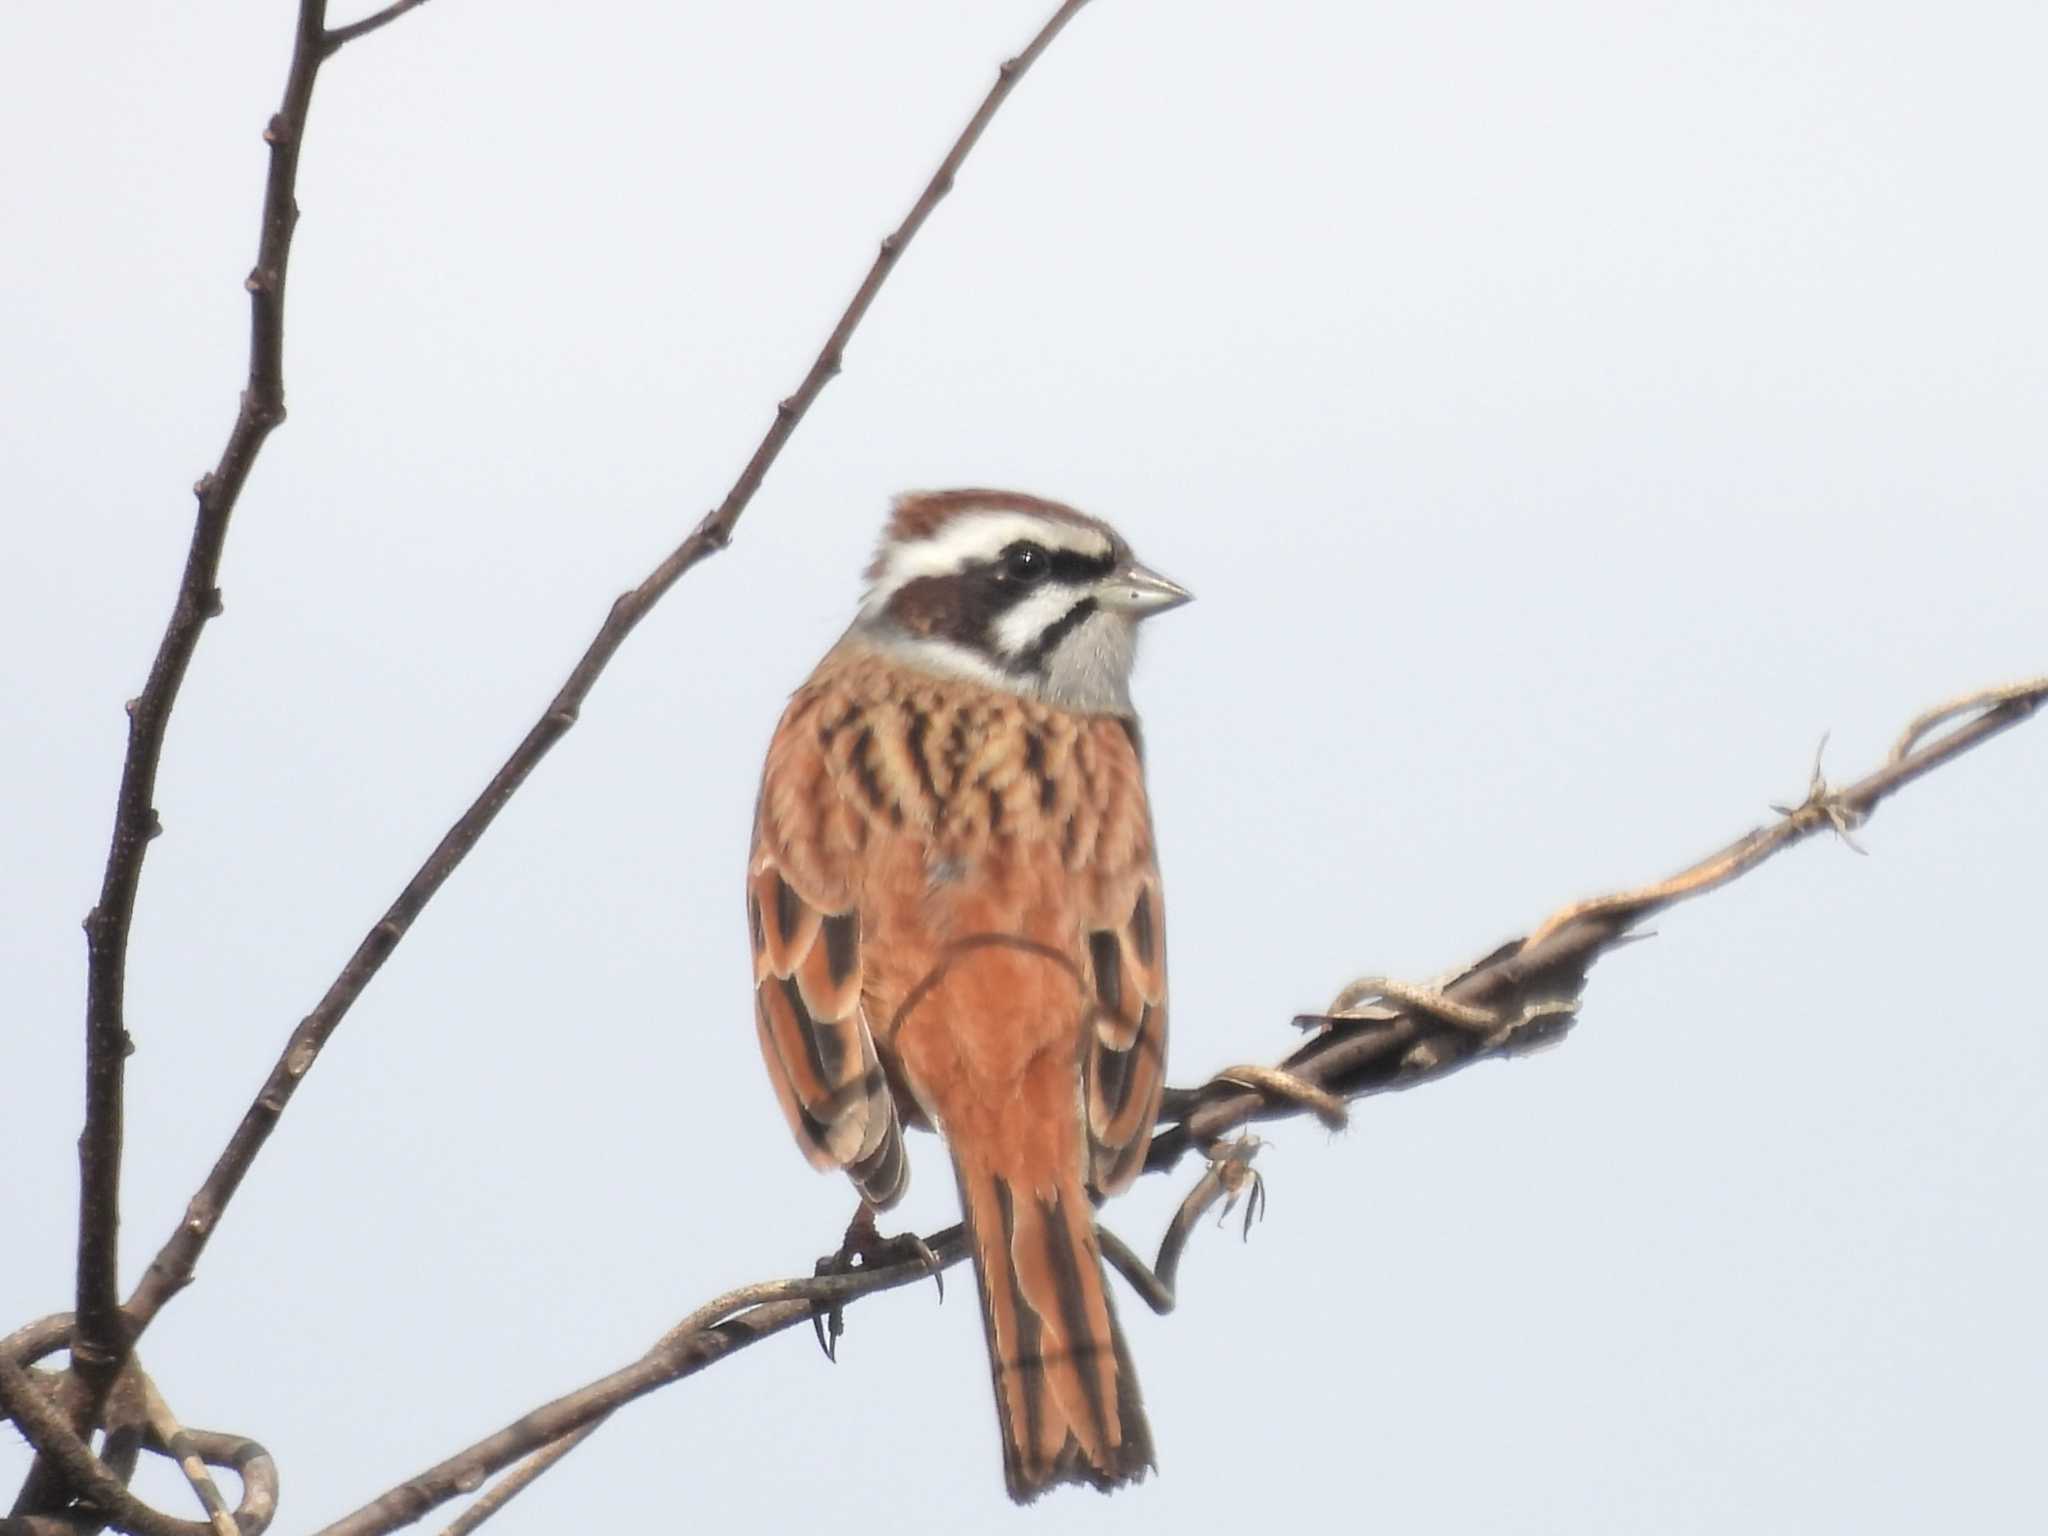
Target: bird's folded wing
806, 935
1126, 1053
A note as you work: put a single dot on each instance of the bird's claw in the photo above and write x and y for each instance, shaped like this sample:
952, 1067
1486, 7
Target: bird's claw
864, 1247
1232, 1161
828, 1321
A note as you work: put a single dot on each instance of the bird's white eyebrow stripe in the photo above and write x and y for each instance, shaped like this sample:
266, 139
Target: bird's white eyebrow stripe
972, 536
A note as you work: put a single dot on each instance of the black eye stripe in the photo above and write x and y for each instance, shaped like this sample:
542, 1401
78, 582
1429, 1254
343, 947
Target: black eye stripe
1072, 565
1061, 565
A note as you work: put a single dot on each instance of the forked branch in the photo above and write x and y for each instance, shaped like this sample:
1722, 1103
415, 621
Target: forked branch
103, 1332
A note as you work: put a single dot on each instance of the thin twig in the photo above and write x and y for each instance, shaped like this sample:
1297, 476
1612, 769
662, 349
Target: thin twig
336, 38
2027, 693
518, 1480
174, 1264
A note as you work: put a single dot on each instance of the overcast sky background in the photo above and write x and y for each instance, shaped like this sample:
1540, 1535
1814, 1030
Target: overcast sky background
1565, 414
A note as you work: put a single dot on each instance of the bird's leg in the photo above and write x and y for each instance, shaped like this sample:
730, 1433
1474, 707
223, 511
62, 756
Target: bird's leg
864, 1247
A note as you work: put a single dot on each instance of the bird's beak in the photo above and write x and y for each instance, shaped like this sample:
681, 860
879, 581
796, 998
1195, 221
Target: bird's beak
1139, 592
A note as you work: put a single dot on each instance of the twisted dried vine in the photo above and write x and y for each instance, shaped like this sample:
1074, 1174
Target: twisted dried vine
1379, 1035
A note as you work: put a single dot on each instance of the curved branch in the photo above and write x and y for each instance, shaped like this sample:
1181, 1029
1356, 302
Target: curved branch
36, 1413
102, 1481
174, 1264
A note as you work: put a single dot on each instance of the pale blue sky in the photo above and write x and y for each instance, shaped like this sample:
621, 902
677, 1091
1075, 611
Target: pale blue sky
1564, 413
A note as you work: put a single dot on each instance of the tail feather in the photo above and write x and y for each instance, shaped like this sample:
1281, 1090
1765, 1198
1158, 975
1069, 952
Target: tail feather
1067, 1399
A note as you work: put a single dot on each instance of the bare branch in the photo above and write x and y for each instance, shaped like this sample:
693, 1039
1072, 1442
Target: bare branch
101, 1345
1522, 995
103, 1335
721, 1327
174, 1264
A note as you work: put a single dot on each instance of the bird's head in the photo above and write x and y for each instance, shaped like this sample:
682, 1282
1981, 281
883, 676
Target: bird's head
1016, 592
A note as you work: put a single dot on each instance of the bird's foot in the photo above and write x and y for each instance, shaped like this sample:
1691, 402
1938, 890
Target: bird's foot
864, 1247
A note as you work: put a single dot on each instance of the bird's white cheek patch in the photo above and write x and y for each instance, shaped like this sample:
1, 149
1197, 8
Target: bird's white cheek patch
1018, 630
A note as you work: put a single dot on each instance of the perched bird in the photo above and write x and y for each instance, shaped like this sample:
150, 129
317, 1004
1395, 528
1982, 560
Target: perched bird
954, 903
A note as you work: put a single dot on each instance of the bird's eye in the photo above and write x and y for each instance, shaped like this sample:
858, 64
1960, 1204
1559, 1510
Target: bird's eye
1026, 562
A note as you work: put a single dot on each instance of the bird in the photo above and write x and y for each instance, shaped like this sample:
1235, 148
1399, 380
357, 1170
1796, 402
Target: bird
954, 906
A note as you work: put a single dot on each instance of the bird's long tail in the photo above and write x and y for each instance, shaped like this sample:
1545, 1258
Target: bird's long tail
1067, 1399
